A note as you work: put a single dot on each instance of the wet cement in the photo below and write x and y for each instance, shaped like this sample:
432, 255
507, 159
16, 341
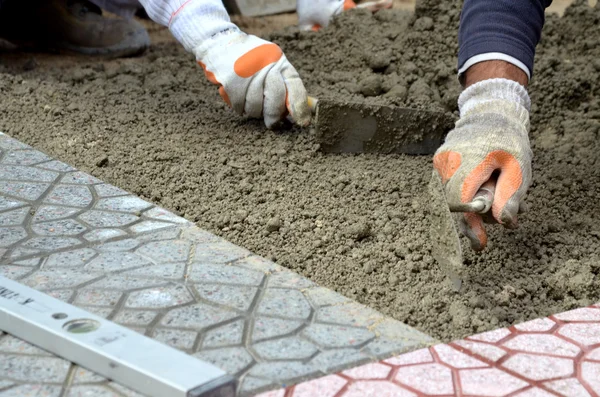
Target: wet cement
357, 224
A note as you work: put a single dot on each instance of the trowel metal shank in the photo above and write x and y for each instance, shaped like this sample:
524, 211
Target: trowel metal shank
346, 127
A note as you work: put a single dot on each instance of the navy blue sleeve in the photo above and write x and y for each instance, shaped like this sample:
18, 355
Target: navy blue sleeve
510, 27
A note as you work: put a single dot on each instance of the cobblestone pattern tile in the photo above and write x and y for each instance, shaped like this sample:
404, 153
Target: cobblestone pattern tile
557, 355
96, 246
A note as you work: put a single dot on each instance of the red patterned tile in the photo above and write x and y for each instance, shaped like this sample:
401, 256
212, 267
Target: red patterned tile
369, 371
568, 387
416, 357
539, 367
583, 314
456, 359
584, 334
543, 343
274, 393
534, 392
537, 325
489, 382
375, 389
491, 336
593, 355
327, 386
432, 379
590, 373
484, 350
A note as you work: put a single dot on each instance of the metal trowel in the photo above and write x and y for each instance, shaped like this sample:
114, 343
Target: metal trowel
444, 235
352, 127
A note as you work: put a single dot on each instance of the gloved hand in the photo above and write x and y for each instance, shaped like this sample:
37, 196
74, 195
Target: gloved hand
254, 77
316, 14
490, 140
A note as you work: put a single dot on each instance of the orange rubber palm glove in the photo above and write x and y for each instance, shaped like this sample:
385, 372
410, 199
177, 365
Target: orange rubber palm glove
490, 140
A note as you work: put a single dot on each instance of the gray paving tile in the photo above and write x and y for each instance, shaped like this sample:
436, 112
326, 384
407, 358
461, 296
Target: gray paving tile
284, 303
24, 190
7, 142
252, 384
11, 235
166, 251
291, 348
229, 359
183, 340
147, 226
160, 235
92, 390
97, 297
14, 217
25, 157
51, 243
320, 296
26, 174
70, 195
197, 316
269, 328
353, 314
168, 271
5, 384
126, 283
123, 204
334, 336
14, 272
82, 375
11, 344
208, 274
237, 297
58, 278
62, 294
50, 212
36, 390
333, 361
289, 279
33, 262
124, 390
226, 335
103, 234
118, 246
284, 371
33, 369
115, 261
8, 203
56, 165
218, 253
162, 297
74, 258
260, 264
106, 190
79, 178
103, 312
22, 251
63, 227
135, 317
164, 215
107, 219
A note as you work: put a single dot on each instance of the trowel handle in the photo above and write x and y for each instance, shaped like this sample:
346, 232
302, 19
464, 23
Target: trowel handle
482, 202
312, 103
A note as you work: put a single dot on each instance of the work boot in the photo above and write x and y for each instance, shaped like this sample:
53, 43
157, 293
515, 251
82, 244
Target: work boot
71, 25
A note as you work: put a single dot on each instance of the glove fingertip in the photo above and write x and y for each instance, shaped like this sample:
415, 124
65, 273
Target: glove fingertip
472, 228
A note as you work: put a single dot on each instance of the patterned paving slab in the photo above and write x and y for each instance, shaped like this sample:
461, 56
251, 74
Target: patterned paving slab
98, 247
554, 356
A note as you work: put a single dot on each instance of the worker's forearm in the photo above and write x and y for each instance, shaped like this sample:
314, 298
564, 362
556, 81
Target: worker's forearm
190, 21
493, 70
500, 30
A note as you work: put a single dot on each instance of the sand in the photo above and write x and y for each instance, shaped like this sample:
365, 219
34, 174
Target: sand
356, 224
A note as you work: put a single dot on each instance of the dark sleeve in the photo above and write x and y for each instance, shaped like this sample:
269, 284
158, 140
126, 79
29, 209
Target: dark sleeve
510, 27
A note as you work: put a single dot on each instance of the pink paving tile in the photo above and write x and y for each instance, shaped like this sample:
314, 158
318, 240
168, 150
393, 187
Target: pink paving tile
327, 386
375, 389
432, 379
568, 387
593, 355
583, 314
369, 371
543, 343
489, 382
590, 373
537, 325
491, 336
416, 357
484, 350
539, 367
582, 333
456, 359
534, 392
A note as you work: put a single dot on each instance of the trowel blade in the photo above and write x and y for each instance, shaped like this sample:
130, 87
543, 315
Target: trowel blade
348, 127
444, 235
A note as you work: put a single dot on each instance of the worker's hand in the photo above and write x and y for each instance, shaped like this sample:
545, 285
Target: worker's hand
316, 14
254, 77
490, 140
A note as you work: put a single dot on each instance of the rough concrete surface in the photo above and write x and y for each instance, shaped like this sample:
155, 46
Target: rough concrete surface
357, 224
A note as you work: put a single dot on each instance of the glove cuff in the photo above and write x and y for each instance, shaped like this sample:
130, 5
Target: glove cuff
495, 90
197, 21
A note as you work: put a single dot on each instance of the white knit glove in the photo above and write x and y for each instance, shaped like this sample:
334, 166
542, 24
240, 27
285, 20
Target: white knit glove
491, 137
254, 76
316, 14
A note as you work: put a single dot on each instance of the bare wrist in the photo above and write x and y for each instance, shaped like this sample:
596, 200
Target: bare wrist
491, 70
